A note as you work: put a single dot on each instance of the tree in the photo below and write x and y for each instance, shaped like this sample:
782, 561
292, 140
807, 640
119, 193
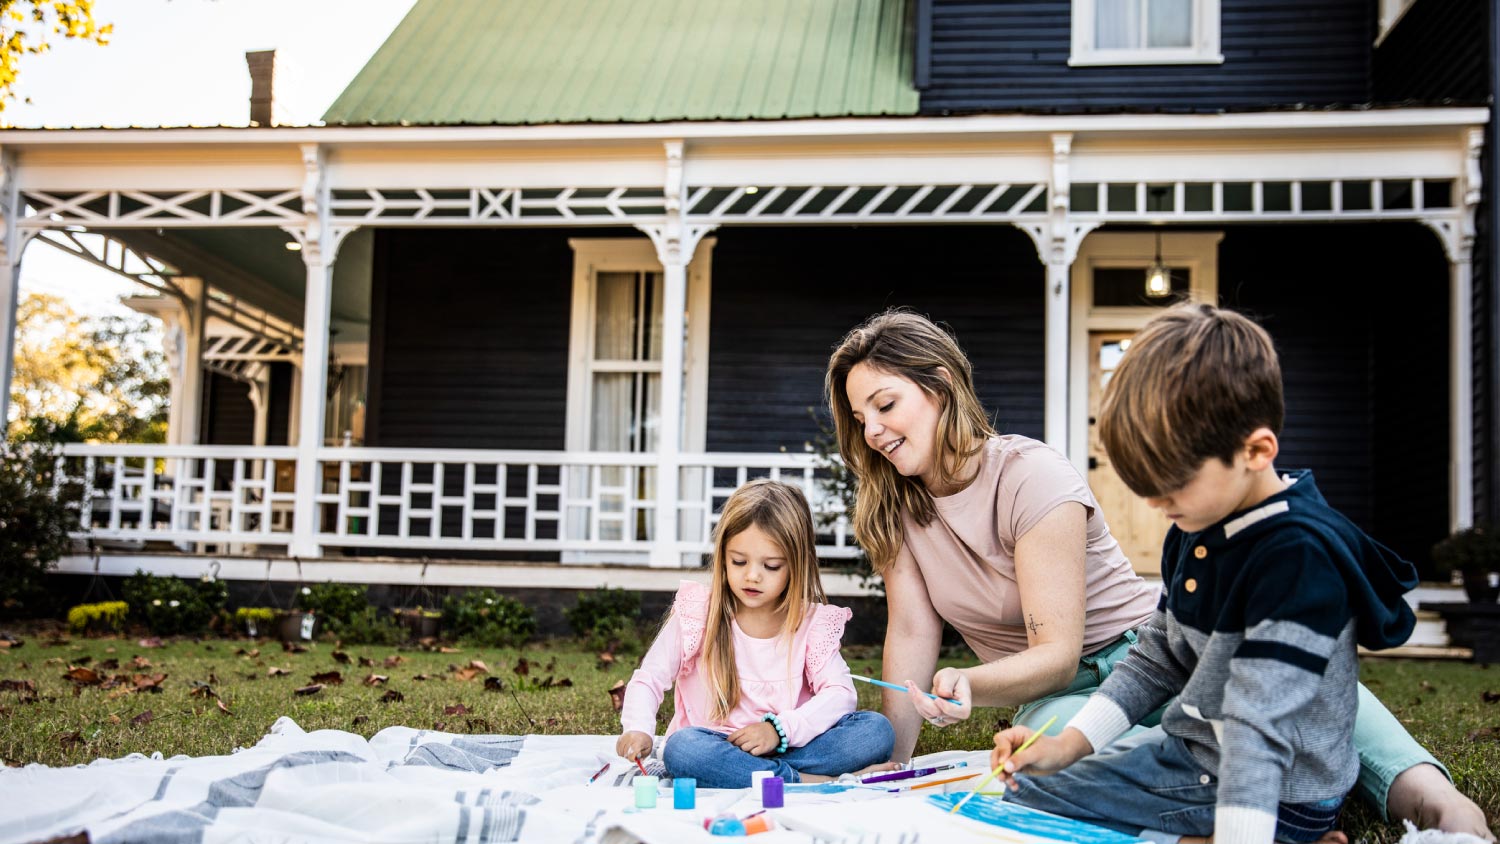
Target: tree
28, 27
79, 377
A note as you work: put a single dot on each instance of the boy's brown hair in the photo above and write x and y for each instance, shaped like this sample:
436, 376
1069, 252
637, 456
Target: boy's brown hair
1195, 382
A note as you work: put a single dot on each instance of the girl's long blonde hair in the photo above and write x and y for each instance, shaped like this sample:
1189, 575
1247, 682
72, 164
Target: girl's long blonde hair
905, 344
781, 511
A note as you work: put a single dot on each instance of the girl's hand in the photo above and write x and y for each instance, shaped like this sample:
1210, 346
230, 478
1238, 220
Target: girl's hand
947, 683
634, 745
758, 739
1045, 755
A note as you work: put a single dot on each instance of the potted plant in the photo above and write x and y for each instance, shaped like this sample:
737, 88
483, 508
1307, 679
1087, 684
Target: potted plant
98, 619
254, 620
422, 623
1475, 554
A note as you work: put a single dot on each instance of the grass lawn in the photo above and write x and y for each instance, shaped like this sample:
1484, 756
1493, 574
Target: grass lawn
49, 718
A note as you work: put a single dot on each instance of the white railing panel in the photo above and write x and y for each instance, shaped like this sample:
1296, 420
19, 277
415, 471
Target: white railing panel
709, 479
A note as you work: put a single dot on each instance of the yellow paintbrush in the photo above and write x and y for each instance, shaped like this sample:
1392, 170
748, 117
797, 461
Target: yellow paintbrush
995, 773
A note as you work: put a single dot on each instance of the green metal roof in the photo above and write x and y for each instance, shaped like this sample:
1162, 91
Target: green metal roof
591, 61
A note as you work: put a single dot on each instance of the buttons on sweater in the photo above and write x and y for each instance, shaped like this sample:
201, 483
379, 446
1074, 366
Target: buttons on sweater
1190, 585
1200, 552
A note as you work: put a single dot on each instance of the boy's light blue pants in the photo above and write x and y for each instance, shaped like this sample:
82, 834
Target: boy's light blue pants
1385, 747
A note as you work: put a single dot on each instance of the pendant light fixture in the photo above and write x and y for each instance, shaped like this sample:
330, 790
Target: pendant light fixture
1158, 276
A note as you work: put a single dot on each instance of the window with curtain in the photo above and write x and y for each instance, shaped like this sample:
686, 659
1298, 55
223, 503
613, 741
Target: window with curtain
1145, 31
626, 365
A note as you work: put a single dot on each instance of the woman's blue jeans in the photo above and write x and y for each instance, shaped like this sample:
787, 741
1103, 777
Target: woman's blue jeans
1385, 747
858, 740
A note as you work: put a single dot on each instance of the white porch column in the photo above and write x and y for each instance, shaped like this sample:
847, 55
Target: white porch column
187, 393
1461, 391
260, 400
317, 253
11, 245
675, 243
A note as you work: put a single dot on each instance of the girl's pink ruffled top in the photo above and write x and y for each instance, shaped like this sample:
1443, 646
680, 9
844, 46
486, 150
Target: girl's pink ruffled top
809, 692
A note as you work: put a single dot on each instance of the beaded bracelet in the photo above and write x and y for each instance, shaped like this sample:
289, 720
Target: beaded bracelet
780, 730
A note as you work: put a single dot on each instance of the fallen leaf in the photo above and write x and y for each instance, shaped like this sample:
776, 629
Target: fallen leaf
309, 690
10, 644
273, 671
551, 665
617, 695
83, 676
148, 682
394, 660
550, 683
17, 685
606, 660
1487, 733
55, 660
222, 708
552, 722
1428, 687
493, 684
291, 648
198, 688
70, 738
440, 725
331, 678
376, 679
456, 709
479, 664
366, 662
465, 674
360, 719
83, 660
114, 719
523, 667
448, 650
140, 662
109, 665
1002, 724
477, 725
421, 677
143, 719
152, 642
392, 696
1490, 697
340, 657
121, 692
253, 653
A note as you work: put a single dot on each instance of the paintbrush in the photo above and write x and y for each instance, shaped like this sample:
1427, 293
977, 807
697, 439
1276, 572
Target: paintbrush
872, 681
995, 773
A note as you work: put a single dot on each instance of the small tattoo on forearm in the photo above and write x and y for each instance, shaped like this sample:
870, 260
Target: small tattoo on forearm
1033, 623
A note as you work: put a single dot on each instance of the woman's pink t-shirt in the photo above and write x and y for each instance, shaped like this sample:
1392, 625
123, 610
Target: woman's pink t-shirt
804, 679
966, 554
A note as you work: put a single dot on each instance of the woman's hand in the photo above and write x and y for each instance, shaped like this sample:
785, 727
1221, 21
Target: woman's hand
758, 739
946, 683
1045, 755
634, 745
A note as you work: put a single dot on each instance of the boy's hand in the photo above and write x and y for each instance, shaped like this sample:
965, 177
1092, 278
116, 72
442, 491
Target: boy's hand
1045, 755
758, 739
634, 745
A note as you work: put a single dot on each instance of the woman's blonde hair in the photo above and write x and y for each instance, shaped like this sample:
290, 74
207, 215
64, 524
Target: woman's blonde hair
781, 512
902, 343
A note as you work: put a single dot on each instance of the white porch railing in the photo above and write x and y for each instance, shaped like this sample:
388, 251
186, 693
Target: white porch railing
598, 504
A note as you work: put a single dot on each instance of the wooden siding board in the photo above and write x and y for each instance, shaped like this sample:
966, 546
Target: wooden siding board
784, 297
1013, 56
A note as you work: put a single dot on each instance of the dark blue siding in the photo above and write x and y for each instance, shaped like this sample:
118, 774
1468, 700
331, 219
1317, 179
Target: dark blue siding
1362, 334
784, 297
1012, 55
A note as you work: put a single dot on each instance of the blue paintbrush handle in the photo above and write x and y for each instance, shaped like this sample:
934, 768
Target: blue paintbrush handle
873, 681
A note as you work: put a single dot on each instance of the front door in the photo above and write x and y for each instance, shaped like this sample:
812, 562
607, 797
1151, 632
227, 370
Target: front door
1138, 528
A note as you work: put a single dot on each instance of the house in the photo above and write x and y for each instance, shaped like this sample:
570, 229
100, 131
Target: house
556, 275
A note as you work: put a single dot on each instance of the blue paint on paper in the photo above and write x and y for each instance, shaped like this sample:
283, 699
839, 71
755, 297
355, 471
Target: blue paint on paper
996, 812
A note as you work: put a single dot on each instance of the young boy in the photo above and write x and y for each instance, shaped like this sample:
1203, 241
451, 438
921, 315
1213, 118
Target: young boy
1267, 592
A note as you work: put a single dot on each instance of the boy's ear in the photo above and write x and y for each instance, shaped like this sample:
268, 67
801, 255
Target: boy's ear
1261, 448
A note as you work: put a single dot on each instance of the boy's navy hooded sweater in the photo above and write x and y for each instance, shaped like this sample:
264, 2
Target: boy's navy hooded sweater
1255, 634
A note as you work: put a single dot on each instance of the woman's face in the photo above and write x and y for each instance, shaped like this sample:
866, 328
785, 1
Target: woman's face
899, 419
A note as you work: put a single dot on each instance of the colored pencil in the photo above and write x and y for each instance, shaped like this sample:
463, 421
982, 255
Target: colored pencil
995, 773
912, 773
875, 682
599, 772
943, 782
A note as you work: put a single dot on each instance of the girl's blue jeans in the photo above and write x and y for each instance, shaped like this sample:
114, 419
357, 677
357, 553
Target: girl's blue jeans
858, 740
1385, 747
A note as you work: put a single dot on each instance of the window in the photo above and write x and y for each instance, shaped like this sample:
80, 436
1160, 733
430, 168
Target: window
1112, 32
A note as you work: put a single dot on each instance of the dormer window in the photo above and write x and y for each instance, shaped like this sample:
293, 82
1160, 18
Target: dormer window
1117, 32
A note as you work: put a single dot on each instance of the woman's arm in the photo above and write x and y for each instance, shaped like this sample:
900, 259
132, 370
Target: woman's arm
913, 633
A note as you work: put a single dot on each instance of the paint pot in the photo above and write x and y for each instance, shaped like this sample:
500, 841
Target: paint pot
771, 796
684, 793
726, 826
645, 792
759, 823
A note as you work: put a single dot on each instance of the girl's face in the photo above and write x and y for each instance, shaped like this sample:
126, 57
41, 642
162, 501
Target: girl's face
899, 419
757, 569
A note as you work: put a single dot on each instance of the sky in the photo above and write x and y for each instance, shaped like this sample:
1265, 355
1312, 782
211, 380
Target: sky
182, 63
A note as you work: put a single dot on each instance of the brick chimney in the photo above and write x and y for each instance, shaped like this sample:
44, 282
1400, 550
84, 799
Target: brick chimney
262, 87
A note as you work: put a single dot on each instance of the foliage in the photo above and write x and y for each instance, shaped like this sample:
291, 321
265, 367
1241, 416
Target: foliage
606, 617
369, 627
1474, 551
34, 527
81, 378
172, 606
259, 615
107, 615
485, 617
27, 27
838, 485
337, 604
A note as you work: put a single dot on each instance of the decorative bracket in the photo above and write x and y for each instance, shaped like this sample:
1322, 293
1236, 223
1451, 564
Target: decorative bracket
1058, 237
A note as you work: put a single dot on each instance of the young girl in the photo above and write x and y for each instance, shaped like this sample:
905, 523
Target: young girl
760, 685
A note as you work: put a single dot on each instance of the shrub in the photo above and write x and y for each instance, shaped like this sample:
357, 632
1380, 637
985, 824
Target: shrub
606, 616
34, 527
172, 606
338, 604
485, 617
371, 628
109, 615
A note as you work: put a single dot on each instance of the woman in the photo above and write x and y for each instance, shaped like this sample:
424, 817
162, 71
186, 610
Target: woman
1000, 537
